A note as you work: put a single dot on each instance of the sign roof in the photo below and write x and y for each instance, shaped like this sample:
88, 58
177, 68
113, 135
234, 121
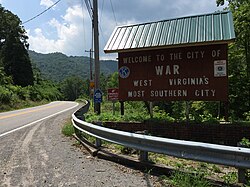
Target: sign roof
193, 30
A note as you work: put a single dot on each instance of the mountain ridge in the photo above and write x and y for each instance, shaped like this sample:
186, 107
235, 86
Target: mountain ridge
58, 66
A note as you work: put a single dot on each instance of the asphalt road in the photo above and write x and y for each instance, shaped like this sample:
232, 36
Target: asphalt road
15, 120
34, 152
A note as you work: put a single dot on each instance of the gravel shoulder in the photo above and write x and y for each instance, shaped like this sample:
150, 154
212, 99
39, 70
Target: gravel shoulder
40, 155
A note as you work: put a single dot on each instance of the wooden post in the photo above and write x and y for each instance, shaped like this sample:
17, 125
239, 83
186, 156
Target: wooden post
218, 115
226, 110
151, 109
113, 102
122, 107
187, 110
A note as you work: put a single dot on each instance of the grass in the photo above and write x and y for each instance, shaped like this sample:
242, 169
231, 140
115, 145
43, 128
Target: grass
68, 129
201, 170
179, 179
230, 178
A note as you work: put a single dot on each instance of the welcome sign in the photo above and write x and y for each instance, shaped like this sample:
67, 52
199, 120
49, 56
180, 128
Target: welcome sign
185, 73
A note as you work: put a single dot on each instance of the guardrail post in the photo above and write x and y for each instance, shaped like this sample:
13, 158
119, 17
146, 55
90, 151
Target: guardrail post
241, 171
98, 142
242, 175
143, 156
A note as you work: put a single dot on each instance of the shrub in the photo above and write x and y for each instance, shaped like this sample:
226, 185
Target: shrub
162, 115
247, 115
21, 92
5, 95
68, 129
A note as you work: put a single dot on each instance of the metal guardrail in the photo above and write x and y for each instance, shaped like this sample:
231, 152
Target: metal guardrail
237, 157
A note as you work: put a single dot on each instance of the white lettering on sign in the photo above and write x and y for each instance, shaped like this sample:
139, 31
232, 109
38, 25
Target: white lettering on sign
195, 54
175, 56
160, 58
189, 81
168, 93
141, 83
137, 59
167, 70
204, 93
216, 53
136, 94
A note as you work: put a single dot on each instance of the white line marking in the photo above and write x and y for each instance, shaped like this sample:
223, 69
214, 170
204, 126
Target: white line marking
19, 128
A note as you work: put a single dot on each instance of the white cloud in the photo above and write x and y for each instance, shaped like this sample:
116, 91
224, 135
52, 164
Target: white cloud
70, 34
73, 34
40, 43
46, 3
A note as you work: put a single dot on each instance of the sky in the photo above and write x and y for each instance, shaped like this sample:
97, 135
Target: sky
66, 27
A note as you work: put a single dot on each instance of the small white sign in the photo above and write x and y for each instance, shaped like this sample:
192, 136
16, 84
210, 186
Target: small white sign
220, 68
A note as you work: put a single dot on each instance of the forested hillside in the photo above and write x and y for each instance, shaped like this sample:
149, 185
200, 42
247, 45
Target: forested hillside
57, 66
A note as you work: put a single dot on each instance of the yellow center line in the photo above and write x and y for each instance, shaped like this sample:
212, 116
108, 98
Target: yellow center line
29, 111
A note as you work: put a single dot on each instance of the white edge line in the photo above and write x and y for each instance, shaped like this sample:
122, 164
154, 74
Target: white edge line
19, 128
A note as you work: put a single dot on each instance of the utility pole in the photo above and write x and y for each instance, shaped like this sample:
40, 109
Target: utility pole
90, 64
97, 106
91, 81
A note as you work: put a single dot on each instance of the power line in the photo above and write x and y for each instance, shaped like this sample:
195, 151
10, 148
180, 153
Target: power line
89, 8
113, 12
101, 20
102, 10
41, 13
83, 23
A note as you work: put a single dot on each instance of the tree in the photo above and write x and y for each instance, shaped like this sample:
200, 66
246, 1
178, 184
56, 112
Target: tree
4, 80
113, 81
72, 88
10, 24
239, 57
17, 63
13, 49
241, 14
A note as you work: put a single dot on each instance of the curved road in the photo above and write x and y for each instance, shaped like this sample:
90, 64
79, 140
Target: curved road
15, 120
33, 152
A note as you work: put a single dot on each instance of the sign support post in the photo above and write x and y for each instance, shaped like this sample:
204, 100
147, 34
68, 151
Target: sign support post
113, 102
151, 109
122, 107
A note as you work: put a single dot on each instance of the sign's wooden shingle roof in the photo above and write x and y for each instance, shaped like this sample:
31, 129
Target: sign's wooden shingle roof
193, 30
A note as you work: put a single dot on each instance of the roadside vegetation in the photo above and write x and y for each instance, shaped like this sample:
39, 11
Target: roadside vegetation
187, 173
68, 129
